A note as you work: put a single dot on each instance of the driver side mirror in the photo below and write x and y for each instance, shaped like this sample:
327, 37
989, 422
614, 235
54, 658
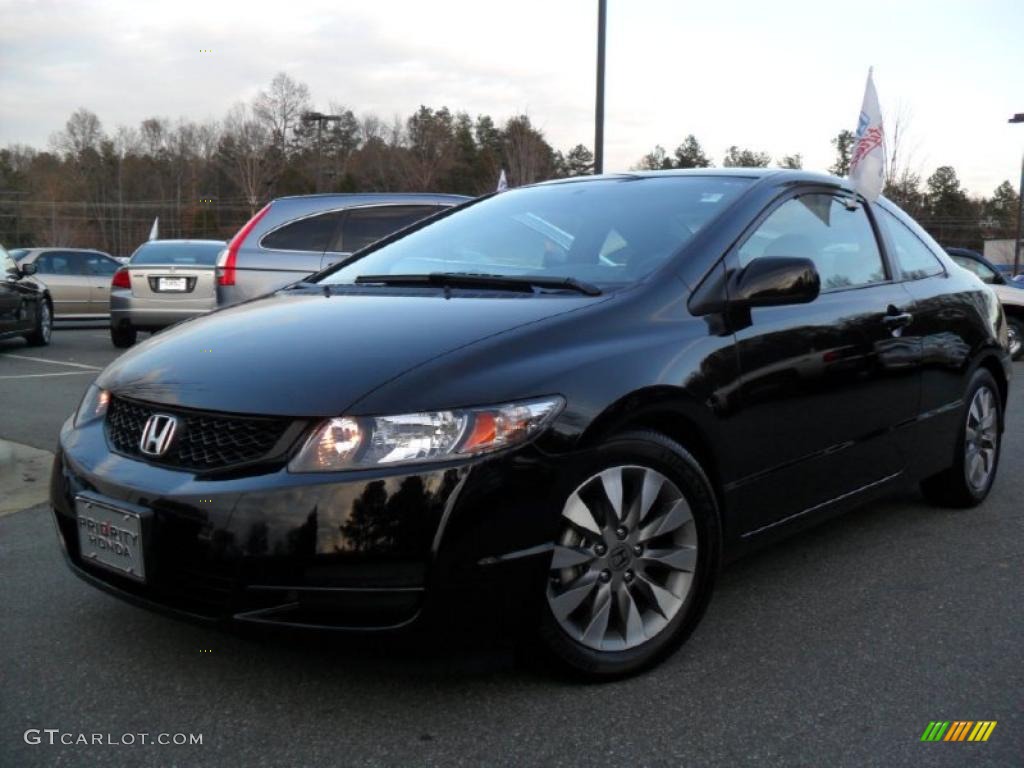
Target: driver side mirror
773, 281
27, 270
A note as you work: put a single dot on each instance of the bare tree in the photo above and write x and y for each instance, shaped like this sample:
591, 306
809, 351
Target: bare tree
281, 106
246, 149
900, 147
528, 155
83, 131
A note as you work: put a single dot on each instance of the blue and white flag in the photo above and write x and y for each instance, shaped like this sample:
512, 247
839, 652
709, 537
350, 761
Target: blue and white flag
502, 182
156, 226
867, 166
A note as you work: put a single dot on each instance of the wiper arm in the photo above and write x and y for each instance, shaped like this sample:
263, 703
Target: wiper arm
302, 285
478, 280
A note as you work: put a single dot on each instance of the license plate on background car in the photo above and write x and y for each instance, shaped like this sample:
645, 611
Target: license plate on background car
111, 538
172, 284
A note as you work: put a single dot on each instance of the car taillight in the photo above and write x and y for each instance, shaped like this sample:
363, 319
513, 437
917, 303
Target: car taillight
121, 279
228, 257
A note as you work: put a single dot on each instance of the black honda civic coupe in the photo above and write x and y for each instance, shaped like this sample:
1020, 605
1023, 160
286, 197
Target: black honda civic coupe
576, 400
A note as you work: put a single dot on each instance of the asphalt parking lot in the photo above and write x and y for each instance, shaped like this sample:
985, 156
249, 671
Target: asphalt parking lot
835, 648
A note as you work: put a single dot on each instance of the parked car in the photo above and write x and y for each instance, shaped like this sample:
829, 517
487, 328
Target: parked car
566, 404
78, 279
1010, 293
164, 282
26, 307
293, 237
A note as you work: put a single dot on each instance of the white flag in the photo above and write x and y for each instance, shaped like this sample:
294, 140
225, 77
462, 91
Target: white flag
502, 182
156, 226
867, 165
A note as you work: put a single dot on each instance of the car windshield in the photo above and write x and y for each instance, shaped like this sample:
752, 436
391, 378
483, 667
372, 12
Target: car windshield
185, 254
606, 232
19, 253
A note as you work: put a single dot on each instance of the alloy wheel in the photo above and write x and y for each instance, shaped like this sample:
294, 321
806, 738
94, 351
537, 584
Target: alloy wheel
981, 439
1014, 341
624, 561
45, 322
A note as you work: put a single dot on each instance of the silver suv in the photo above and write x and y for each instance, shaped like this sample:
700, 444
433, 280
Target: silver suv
293, 237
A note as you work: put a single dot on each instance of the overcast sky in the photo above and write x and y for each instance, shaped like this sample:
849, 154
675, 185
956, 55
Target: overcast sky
780, 77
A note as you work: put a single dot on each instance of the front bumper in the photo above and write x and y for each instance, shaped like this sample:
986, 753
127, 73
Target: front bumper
364, 550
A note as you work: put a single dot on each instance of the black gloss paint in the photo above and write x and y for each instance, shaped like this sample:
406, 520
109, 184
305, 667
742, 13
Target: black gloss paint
796, 412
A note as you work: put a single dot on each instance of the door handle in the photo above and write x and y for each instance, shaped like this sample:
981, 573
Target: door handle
897, 319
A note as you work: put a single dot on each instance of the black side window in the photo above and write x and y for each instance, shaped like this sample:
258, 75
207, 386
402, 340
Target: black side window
363, 226
98, 264
58, 263
310, 234
915, 259
838, 239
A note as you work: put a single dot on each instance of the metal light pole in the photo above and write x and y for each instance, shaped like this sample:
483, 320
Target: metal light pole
1018, 118
319, 118
602, 8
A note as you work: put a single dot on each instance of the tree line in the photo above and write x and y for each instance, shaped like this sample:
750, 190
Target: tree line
97, 188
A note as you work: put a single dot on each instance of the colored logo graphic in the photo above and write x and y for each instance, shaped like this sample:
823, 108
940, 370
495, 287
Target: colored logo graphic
958, 730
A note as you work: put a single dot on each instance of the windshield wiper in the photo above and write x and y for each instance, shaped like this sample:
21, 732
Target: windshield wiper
479, 280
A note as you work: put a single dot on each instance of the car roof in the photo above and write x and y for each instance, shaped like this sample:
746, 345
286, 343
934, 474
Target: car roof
185, 242
780, 176
367, 198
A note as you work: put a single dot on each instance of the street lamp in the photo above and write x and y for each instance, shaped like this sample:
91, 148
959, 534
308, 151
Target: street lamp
1018, 118
319, 118
602, 8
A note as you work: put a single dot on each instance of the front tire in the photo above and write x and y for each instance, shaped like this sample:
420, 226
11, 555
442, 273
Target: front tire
123, 335
968, 481
40, 335
635, 558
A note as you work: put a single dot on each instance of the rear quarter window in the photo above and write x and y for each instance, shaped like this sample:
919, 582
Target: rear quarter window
312, 233
914, 259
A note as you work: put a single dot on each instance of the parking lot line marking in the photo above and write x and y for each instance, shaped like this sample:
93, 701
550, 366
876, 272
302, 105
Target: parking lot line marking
54, 362
46, 375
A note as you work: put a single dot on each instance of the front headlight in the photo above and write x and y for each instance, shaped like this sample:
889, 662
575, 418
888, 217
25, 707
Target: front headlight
93, 406
412, 438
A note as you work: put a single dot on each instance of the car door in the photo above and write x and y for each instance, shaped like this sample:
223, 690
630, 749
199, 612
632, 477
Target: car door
62, 271
945, 324
823, 385
100, 269
365, 225
11, 310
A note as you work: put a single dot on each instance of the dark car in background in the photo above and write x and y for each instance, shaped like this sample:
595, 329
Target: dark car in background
1010, 293
78, 279
566, 404
26, 307
293, 237
164, 282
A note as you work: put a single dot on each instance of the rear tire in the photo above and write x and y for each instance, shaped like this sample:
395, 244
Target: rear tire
647, 576
40, 335
967, 482
123, 335
1015, 333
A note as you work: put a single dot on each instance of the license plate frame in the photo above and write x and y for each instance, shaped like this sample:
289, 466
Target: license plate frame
172, 284
111, 537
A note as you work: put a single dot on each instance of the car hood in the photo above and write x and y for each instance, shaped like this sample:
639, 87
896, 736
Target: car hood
307, 354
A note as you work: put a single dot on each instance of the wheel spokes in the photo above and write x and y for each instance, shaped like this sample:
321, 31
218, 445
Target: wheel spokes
578, 513
683, 558
570, 557
597, 628
568, 601
677, 515
611, 481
